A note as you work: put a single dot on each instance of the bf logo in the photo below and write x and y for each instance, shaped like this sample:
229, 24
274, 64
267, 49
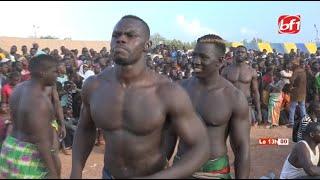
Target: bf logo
289, 24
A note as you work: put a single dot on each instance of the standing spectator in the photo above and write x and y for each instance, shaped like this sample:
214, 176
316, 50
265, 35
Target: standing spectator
24, 50
35, 46
33, 52
174, 53
13, 53
25, 73
4, 72
275, 101
298, 90
63, 50
7, 89
312, 76
286, 73
62, 74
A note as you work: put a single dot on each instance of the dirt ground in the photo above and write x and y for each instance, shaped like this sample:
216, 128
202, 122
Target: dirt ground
264, 158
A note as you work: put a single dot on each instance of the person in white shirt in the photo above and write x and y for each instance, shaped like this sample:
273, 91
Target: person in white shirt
286, 74
85, 71
303, 161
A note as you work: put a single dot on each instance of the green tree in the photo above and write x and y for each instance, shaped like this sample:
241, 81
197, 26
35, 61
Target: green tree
48, 37
156, 39
259, 40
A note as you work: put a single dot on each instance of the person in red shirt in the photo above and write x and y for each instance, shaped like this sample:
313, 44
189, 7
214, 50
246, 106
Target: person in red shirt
7, 89
268, 77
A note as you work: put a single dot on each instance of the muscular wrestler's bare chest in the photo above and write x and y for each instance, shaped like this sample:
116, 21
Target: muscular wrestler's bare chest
211, 105
137, 110
241, 74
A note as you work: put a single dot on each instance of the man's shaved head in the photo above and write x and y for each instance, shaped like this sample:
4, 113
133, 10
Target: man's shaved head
138, 19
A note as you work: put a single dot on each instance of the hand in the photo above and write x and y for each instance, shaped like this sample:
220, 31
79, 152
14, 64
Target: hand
62, 131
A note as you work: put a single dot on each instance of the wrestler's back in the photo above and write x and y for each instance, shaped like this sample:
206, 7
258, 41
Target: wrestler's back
22, 106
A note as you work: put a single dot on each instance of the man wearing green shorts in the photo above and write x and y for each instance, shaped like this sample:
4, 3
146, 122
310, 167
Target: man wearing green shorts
29, 151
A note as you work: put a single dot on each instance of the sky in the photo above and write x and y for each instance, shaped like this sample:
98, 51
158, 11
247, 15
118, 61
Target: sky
185, 21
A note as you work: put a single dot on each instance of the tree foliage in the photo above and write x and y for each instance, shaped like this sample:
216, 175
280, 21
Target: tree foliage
48, 37
157, 39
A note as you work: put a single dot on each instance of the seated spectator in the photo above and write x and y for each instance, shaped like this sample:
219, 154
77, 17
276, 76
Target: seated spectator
303, 160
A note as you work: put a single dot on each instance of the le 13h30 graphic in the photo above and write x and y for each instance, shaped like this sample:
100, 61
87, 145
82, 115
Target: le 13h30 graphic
274, 141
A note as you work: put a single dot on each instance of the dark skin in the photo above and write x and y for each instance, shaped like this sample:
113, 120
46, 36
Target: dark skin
13, 50
5, 69
222, 107
120, 99
35, 46
24, 50
245, 78
103, 63
33, 52
52, 93
315, 111
300, 155
32, 124
13, 82
62, 70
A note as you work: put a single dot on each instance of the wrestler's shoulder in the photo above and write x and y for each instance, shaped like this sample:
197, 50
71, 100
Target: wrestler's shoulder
18, 88
165, 87
105, 75
93, 82
21, 85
